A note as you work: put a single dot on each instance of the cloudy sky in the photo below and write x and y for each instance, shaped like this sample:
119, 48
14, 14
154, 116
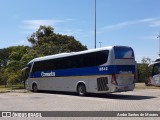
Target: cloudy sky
134, 23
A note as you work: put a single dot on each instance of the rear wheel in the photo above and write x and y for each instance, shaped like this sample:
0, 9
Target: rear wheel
35, 88
81, 89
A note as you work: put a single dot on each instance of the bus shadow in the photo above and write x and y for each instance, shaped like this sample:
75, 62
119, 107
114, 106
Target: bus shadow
104, 96
121, 97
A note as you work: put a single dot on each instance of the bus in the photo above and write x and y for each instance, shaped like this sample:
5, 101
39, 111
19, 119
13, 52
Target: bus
102, 70
154, 78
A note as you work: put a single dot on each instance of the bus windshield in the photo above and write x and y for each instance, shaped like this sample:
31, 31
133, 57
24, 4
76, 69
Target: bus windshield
123, 53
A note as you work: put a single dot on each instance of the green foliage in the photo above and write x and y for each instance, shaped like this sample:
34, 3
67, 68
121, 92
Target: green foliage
3, 77
44, 42
4, 54
13, 78
143, 70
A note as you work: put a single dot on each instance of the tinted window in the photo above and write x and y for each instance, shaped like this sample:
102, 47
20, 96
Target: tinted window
101, 57
43, 65
89, 59
123, 53
77, 61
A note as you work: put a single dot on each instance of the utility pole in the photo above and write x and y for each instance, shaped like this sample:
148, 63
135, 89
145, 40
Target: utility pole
159, 43
95, 24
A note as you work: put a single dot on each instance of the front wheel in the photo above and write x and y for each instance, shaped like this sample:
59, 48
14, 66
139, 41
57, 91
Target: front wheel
35, 88
81, 89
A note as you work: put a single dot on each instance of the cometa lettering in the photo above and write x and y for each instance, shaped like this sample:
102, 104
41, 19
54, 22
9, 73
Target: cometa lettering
51, 74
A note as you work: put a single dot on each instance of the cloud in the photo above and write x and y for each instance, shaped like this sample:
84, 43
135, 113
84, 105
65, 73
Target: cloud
23, 41
68, 31
151, 22
60, 26
155, 23
33, 25
154, 37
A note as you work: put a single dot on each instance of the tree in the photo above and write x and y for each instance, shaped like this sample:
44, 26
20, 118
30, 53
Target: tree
12, 63
42, 32
4, 55
3, 77
45, 42
143, 70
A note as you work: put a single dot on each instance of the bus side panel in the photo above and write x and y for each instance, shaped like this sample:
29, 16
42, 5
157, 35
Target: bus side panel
70, 83
42, 83
65, 84
47, 83
92, 84
57, 83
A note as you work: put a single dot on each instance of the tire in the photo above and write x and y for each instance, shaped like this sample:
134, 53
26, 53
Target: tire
35, 88
81, 89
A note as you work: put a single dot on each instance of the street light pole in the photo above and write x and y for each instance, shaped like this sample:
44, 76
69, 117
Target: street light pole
100, 44
95, 24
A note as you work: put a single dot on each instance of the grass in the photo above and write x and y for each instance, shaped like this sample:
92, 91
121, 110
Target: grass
9, 88
4, 89
143, 86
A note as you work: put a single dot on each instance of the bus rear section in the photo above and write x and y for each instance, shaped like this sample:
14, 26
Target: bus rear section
123, 69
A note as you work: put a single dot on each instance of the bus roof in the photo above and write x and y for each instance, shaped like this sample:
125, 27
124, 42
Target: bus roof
72, 53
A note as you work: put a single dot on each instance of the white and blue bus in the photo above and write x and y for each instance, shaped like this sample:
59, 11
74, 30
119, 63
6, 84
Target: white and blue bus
103, 70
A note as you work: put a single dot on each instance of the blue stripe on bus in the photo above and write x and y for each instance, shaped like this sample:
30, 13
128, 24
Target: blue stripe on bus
88, 71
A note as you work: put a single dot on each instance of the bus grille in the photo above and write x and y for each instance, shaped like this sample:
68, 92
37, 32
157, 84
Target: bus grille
102, 84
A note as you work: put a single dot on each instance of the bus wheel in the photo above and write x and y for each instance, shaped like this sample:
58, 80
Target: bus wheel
81, 89
35, 88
